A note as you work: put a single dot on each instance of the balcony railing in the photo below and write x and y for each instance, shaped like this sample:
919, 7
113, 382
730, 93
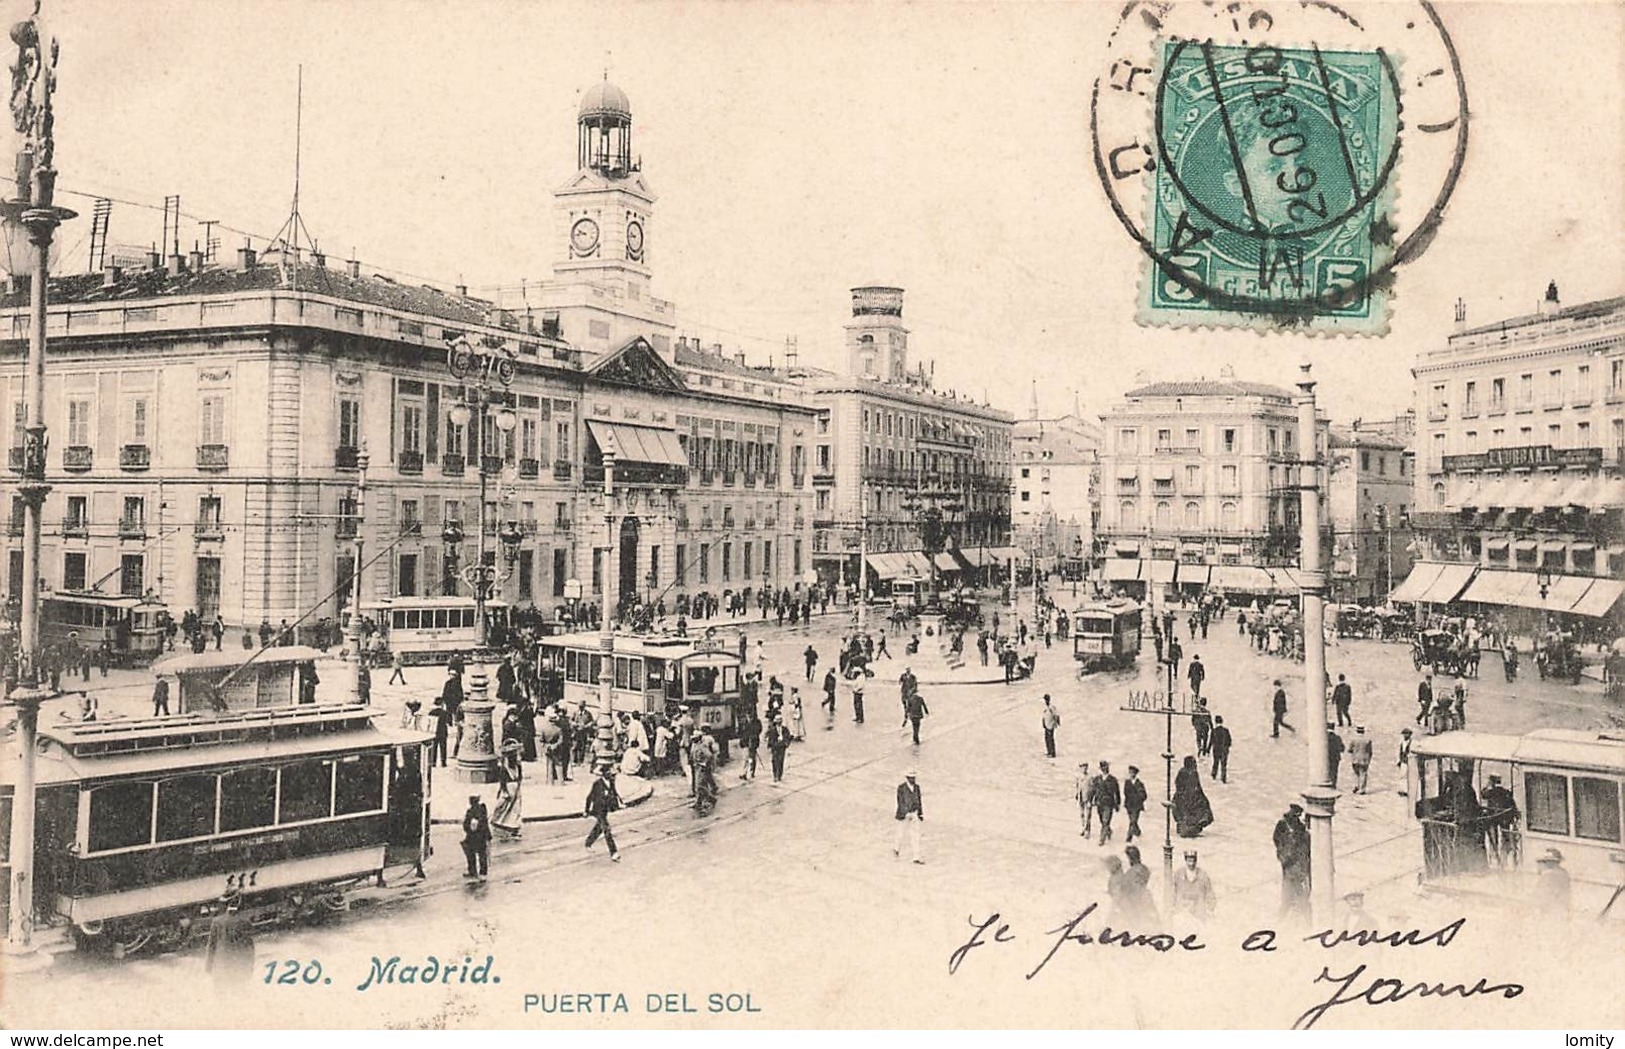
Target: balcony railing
348, 527
213, 456
409, 462
346, 457
727, 478
561, 470
132, 528
491, 465
706, 476
411, 527
76, 527
134, 457
208, 530
14, 525
1179, 449
453, 465
749, 480
530, 469
527, 526
77, 457
563, 524
797, 480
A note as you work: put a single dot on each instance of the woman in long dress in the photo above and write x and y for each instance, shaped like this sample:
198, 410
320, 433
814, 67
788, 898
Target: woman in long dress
508, 816
1192, 812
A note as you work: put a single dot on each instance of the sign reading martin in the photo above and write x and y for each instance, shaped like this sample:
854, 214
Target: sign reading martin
1525, 455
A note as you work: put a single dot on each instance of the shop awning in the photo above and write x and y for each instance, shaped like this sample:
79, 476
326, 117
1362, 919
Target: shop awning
1491, 494
1565, 592
1249, 578
1423, 576
1496, 587
886, 566
1523, 493
916, 564
1448, 585
1128, 473
1009, 553
1120, 570
1471, 495
1162, 473
1127, 547
1599, 599
1286, 579
1609, 494
630, 443
1160, 571
946, 562
1193, 574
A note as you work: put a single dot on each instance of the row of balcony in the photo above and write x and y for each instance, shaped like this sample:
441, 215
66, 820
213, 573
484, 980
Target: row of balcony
80, 458
492, 528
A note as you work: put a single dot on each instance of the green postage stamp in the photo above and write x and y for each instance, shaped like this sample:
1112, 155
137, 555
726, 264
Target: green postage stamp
1273, 189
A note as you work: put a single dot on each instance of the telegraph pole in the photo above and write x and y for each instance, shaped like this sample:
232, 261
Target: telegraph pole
356, 639
1320, 798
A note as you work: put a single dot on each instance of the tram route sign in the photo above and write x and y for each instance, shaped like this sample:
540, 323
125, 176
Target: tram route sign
1156, 701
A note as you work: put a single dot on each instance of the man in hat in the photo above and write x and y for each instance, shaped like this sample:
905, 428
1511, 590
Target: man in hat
1134, 795
229, 957
778, 742
160, 697
1108, 799
1424, 697
1193, 890
1553, 893
1051, 720
602, 800
914, 711
1084, 791
451, 697
1360, 758
1196, 674
477, 837
1342, 700
1334, 754
1355, 917
1278, 704
1292, 850
1404, 761
910, 814
1219, 746
1500, 820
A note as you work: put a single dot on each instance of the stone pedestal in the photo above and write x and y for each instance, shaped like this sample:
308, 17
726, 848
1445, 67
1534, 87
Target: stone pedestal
477, 757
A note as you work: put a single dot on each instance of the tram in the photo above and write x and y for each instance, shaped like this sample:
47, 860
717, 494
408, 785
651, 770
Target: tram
662, 674
132, 627
143, 824
1490, 806
1106, 634
433, 629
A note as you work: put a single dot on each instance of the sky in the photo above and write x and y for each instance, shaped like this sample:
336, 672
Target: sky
797, 150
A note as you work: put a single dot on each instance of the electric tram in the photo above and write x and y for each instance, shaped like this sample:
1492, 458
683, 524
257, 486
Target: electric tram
131, 627
1106, 635
433, 629
662, 674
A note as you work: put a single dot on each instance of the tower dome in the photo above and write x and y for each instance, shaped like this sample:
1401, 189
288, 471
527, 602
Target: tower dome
604, 131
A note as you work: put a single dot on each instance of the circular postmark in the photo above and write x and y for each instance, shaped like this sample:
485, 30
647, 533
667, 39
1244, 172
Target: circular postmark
1262, 145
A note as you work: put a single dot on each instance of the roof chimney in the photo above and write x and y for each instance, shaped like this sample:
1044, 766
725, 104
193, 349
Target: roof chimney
176, 266
739, 358
110, 275
353, 268
194, 261
1551, 304
461, 290
155, 260
245, 259
318, 260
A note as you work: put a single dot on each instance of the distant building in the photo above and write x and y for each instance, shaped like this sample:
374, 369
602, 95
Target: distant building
1198, 488
1521, 451
890, 453
1056, 465
1369, 493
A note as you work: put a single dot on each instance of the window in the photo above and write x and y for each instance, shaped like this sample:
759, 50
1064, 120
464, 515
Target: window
1026, 497
1469, 403
1582, 434
247, 799
73, 571
307, 792
1128, 440
208, 510
1165, 439
1438, 493
349, 422
561, 572
212, 419
1616, 376
1438, 451
1165, 515
1193, 439
1193, 478
456, 442
1128, 514
1227, 478
527, 571
705, 562
1438, 404
359, 784
412, 426
1554, 435
120, 816
561, 442
1582, 384
1229, 440
1227, 516
186, 807
1526, 390
795, 565
1273, 443
1026, 472
132, 574
1554, 388
1472, 440
1193, 514
78, 511
727, 561
135, 420
79, 422
1365, 461
1596, 809
1546, 807
1498, 395
406, 575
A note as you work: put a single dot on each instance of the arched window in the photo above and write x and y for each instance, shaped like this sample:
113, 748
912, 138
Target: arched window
1193, 514
1165, 515
1438, 493
1128, 515
1228, 516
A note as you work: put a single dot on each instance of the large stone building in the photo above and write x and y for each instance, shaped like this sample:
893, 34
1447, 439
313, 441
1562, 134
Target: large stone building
1056, 466
1521, 451
1198, 482
206, 424
890, 452
1369, 498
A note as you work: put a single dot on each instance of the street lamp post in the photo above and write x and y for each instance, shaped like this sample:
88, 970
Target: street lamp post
34, 81
355, 638
476, 368
1320, 797
605, 756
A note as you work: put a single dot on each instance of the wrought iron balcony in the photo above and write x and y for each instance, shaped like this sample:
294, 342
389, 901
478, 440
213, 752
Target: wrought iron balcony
134, 457
727, 478
409, 462
76, 527
346, 457
491, 465
208, 529
348, 527
530, 469
561, 470
452, 465
77, 458
132, 528
213, 456
413, 527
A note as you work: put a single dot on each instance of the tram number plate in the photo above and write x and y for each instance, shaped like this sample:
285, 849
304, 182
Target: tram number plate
240, 881
713, 715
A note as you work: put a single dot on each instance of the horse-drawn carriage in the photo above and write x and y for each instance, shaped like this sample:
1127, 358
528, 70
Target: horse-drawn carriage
1557, 655
1446, 652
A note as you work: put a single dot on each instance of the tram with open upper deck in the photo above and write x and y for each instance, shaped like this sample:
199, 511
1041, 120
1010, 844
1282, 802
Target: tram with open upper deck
662, 674
141, 825
1490, 806
1106, 634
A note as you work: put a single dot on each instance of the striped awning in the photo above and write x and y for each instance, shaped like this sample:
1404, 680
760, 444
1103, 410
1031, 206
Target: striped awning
1160, 571
1120, 570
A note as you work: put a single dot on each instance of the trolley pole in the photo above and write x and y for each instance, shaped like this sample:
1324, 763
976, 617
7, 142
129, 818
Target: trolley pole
1320, 798
863, 559
356, 638
605, 757
35, 68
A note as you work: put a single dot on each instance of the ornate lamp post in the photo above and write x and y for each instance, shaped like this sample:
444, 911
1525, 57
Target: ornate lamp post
33, 83
1320, 797
477, 368
609, 584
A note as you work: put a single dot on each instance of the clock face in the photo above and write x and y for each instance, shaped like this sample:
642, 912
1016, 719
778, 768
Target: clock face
634, 240
584, 236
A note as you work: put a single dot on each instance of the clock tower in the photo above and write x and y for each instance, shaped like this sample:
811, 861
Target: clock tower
603, 211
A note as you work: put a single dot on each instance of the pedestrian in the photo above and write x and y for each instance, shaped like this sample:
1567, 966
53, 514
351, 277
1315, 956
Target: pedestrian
509, 815
1196, 673
1219, 747
1051, 720
1193, 890
798, 725
914, 710
1404, 761
1458, 716
1108, 799
1279, 703
1175, 654
1134, 903
1342, 699
778, 741
750, 741
910, 814
1202, 724
442, 728
1292, 851
160, 696
1360, 758
451, 697
477, 838
229, 957
1192, 812
602, 800
1553, 891
1424, 697
1334, 754
397, 672
810, 656
1134, 797
219, 631
858, 679
363, 683
1084, 790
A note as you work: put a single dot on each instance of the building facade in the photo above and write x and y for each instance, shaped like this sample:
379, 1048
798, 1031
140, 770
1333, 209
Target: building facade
1056, 467
1199, 487
1521, 448
900, 462
208, 422
1369, 499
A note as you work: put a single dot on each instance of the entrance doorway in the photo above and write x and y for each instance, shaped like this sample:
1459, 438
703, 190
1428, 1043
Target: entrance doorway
626, 581
208, 588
